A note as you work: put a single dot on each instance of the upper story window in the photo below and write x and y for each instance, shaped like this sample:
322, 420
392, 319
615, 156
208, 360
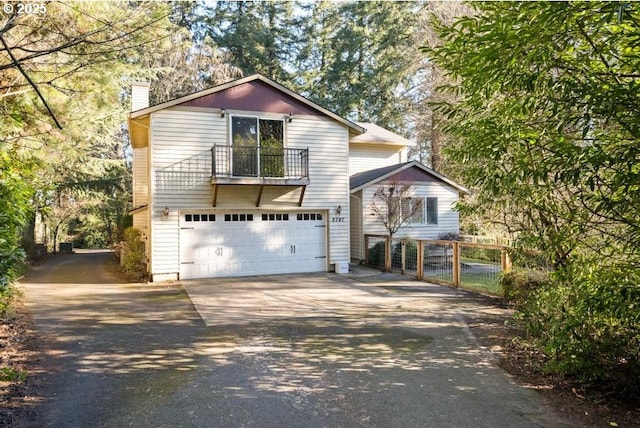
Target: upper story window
257, 144
254, 131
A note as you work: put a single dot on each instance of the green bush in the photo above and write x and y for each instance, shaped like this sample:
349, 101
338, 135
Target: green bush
411, 255
133, 257
519, 285
588, 321
376, 254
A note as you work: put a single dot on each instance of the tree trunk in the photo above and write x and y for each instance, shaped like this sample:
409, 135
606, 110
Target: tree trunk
436, 157
28, 240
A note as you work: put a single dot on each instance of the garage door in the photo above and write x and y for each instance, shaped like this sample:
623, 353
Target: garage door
251, 243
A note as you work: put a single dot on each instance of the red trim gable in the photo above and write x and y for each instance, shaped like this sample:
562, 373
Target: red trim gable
253, 96
413, 174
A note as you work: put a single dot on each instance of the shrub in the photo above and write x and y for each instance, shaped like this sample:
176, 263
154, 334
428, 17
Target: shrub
376, 254
133, 257
587, 321
519, 285
411, 254
449, 236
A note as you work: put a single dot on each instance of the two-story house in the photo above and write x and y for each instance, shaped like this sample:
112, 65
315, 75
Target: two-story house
246, 178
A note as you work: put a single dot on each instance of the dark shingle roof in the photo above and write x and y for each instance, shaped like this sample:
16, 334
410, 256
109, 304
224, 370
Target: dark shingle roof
360, 179
357, 180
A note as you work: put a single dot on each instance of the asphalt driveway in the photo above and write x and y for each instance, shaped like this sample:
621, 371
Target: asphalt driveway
283, 351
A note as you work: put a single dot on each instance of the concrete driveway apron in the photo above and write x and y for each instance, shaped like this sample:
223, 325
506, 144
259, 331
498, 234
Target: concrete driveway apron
365, 353
286, 351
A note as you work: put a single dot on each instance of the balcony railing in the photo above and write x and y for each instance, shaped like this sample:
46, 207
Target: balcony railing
259, 162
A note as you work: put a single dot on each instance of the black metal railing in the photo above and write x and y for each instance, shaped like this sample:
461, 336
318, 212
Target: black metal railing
259, 162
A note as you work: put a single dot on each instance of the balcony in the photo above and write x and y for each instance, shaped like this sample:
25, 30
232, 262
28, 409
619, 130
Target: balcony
260, 167
255, 164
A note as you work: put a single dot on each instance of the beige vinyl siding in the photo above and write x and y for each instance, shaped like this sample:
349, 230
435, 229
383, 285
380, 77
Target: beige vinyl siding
140, 177
356, 226
140, 221
181, 176
448, 220
181, 146
328, 146
363, 157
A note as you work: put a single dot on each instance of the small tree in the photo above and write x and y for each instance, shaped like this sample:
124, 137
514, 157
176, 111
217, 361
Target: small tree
393, 206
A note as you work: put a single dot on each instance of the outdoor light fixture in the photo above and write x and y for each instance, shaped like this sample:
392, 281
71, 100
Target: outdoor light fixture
223, 112
339, 209
165, 213
290, 119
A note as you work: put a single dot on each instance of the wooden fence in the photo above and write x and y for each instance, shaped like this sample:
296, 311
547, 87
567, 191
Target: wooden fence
461, 264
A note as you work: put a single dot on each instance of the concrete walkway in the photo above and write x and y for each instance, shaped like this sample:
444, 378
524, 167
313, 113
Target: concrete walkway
284, 351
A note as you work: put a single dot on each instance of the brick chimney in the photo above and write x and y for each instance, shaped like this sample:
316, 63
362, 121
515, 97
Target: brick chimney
139, 95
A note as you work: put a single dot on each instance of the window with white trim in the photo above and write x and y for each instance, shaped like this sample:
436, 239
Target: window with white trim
419, 210
412, 210
258, 146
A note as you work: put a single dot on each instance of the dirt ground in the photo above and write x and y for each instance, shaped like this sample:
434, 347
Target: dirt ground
587, 405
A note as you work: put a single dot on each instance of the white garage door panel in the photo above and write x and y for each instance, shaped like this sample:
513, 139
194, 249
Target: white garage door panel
236, 244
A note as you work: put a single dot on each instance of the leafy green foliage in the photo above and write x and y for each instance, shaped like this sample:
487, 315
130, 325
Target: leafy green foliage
548, 137
411, 254
14, 206
133, 256
9, 374
588, 324
376, 254
519, 285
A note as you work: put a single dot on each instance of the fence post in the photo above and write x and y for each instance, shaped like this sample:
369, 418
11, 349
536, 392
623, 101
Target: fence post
456, 264
505, 261
420, 260
366, 249
387, 253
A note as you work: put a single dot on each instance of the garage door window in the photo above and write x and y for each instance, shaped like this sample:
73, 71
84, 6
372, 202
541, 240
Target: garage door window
275, 217
309, 217
238, 217
199, 217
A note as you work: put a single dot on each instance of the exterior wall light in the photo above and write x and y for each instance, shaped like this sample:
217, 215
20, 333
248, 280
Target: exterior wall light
223, 112
290, 118
165, 213
339, 209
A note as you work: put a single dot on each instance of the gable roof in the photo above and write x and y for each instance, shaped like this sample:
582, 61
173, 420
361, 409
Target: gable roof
353, 127
367, 178
377, 134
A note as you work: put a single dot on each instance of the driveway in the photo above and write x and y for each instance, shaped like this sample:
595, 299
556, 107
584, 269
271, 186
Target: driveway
285, 351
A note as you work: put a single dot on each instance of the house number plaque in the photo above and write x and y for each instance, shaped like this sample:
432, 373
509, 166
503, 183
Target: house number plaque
338, 219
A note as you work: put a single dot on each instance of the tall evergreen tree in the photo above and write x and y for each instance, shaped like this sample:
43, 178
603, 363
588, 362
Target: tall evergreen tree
259, 36
61, 76
364, 59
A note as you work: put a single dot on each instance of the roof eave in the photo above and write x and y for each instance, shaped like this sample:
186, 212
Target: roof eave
354, 129
401, 168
